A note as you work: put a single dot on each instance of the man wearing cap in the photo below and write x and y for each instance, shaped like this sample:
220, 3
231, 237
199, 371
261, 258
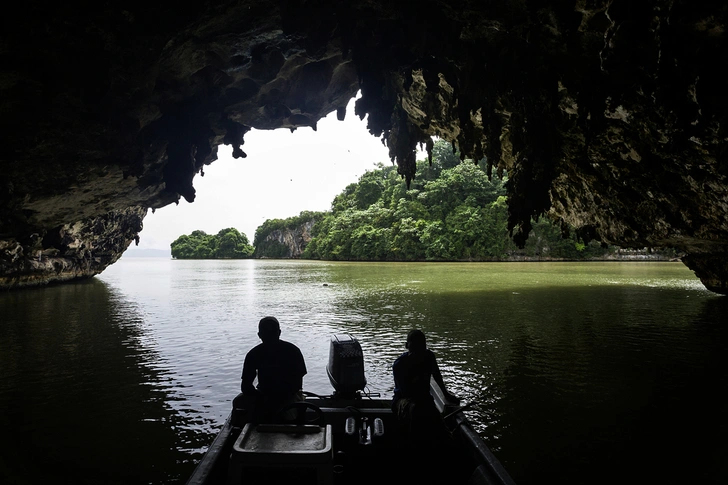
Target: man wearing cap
279, 367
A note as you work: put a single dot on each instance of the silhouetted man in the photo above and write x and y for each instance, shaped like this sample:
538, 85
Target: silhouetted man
412, 402
279, 367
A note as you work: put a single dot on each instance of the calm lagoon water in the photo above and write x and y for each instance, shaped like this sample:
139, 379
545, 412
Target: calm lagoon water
579, 373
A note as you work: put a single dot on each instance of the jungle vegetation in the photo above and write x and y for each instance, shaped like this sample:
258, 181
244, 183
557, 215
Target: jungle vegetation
227, 244
452, 211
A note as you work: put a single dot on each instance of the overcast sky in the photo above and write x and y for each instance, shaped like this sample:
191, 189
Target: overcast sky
284, 173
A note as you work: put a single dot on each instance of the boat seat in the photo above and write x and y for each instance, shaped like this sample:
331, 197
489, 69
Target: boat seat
282, 450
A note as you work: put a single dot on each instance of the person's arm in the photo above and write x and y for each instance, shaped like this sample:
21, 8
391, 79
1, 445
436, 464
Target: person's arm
395, 375
249, 373
300, 370
398, 391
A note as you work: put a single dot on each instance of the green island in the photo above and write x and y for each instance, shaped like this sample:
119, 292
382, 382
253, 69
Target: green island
227, 244
452, 211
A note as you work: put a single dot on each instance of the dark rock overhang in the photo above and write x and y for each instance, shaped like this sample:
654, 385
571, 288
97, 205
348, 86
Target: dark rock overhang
607, 115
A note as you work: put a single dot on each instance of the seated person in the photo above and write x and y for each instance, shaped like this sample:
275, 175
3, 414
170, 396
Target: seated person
412, 403
279, 367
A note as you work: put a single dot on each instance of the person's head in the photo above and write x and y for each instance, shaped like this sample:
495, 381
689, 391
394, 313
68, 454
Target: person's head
269, 330
415, 341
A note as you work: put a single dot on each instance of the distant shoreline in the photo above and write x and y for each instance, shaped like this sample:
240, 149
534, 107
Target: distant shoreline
511, 260
147, 253
635, 256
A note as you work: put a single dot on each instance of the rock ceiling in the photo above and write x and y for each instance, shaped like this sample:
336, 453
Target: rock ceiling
607, 115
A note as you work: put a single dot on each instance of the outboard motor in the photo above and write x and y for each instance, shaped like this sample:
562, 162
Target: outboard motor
346, 366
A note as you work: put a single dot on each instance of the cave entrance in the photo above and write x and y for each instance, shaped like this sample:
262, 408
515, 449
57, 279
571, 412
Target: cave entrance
284, 174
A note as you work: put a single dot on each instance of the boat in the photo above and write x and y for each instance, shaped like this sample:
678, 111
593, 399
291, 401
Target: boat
349, 437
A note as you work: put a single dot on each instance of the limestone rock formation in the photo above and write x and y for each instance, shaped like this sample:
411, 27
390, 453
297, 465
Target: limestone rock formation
285, 243
71, 251
609, 115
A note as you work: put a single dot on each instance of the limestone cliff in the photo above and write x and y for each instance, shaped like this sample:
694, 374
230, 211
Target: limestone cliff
285, 243
70, 251
608, 115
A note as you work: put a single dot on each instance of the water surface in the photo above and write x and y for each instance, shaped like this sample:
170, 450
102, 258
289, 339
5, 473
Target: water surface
578, 372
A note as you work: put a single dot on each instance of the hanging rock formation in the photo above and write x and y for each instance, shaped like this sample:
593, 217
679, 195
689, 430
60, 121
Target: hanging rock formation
607, 115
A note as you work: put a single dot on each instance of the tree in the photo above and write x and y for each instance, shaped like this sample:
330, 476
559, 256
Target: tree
228, 243
232, 244
368, 190
406, 243
444, 155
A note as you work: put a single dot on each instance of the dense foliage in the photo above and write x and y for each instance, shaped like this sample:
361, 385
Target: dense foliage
227, 244
451, 211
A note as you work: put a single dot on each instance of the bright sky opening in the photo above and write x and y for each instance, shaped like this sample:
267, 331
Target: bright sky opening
284, 173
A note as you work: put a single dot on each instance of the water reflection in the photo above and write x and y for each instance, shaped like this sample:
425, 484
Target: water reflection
576, 372
623, 381
567, 383
79, 373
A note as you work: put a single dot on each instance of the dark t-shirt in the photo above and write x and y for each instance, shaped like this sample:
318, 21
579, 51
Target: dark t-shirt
279, 366
412, 374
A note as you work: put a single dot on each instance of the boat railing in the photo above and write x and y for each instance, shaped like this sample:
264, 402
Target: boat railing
490, 471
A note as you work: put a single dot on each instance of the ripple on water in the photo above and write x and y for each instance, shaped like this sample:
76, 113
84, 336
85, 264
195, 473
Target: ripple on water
591, 354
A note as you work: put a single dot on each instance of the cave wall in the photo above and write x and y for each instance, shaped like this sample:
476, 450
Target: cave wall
607, 115
77, 251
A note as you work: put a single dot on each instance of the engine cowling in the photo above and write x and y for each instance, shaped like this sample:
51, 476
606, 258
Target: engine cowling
346, 365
